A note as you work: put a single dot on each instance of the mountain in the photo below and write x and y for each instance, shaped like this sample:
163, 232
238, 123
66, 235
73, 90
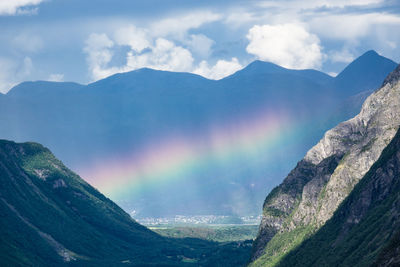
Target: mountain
371, 65
338, 205
260, 67
366, 227
163, 143
51, 217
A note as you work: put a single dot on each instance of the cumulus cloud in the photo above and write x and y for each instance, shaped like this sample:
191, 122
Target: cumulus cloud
160, 54
166, 44
288, 45
220, 70
145, 48
56, 77
137, 39
16, 7
163, 55
99, 54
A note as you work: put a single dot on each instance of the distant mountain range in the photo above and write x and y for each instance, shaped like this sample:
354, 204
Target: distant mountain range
162, 143
340, 205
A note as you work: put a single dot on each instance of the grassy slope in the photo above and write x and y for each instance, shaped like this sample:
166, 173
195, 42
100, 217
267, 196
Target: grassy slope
40, 197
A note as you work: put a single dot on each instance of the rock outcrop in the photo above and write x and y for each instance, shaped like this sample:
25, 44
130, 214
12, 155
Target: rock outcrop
313, 191
364, 230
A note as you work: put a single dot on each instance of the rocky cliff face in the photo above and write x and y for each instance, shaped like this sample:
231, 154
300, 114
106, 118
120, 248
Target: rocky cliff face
312, 192
364, 230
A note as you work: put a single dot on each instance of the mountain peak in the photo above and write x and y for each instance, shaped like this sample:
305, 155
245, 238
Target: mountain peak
370, 53
258, 67
369, 64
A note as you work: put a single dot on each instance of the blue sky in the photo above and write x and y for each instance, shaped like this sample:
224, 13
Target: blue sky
82, 41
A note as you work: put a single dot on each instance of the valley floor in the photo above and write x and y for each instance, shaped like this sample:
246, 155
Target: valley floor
217, 233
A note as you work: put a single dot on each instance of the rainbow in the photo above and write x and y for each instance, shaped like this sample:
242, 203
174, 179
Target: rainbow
177, 157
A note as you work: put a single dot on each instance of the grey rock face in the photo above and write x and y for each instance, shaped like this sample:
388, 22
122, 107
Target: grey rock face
362, 139
365, 228
330, 170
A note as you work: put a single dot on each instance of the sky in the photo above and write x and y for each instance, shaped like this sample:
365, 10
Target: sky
84, 41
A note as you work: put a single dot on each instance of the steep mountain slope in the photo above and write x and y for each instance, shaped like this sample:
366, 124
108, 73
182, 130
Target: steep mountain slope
63, 217
228, 131
51, 217
366, 222
313, 191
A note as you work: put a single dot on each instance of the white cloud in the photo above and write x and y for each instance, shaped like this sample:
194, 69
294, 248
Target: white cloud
158, 53
56, 77
99, 54
164, 45
200, 44
13, 72
288, 45
164, 55
342, 3
15, 7
307, 4
136, 38
220, 70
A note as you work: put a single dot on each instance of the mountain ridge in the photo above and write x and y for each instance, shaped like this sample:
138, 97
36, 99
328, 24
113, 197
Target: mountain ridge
117, 118
350, 149
256, 67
